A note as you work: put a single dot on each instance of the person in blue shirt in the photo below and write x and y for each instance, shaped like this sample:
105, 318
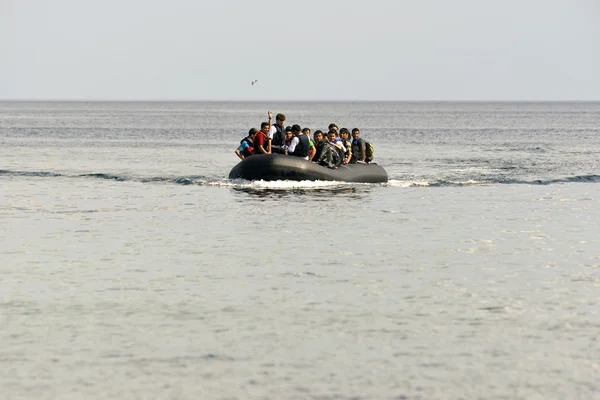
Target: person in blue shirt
246, 147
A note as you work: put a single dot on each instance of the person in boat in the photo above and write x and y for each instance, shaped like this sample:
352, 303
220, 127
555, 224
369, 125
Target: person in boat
288, 139
312, 149
332, 127
262, 144
246, 147
327, 153
300, 145
277, 134
358, 147
337, 142
344, 135
321, 140
317, 138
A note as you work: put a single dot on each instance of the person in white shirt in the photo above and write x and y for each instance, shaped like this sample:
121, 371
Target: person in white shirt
300, 146
335, 139
276, 134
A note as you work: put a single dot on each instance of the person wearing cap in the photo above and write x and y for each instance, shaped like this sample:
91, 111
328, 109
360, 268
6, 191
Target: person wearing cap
246, 147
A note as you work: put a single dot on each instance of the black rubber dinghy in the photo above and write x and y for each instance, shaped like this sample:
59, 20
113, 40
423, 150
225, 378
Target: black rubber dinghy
277, 167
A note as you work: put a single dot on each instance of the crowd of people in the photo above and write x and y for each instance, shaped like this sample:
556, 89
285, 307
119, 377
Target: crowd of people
331, 149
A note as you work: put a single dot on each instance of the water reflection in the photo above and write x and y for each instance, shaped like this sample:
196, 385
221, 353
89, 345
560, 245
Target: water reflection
350, 192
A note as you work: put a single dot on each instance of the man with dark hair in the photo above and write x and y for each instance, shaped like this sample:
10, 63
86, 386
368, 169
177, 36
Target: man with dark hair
277, 135
317, 139
358, 147
327, 154
288, 139
332, 126
311, 145
338, 145
321, 144
344, 134
300, 146
262, 144
246, 148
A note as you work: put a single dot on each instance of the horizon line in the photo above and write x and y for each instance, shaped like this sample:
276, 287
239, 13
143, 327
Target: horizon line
48, 100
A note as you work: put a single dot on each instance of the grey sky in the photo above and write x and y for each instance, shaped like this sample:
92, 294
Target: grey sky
306, 50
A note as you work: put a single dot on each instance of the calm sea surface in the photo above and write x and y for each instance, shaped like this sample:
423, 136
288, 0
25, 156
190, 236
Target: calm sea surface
132, 268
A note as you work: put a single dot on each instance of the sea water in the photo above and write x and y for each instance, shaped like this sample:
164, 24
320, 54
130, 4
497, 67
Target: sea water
131, 267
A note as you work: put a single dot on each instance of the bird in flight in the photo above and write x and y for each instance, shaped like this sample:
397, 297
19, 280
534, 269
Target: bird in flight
254, 82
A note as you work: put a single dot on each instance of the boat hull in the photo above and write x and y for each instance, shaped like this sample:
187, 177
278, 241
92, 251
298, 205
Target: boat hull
276, 167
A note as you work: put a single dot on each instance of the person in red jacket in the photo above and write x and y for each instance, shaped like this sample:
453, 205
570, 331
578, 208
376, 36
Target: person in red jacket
262, 144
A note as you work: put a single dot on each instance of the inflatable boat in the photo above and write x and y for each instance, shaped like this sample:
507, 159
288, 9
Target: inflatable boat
275, 167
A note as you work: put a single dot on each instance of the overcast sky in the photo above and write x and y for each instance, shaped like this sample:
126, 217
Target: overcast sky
304, 50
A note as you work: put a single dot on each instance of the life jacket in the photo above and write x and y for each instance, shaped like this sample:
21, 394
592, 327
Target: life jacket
265, 142
303, 146
355, 142
249, 150
247, 140
279, 136
357, 154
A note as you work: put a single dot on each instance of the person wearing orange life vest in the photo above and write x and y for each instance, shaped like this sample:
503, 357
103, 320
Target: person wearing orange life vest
262, 144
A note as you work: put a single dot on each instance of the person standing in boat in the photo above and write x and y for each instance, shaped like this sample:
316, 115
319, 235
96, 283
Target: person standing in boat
300, 145
344, 135
359, 151
262, 144
276, 134
246, 147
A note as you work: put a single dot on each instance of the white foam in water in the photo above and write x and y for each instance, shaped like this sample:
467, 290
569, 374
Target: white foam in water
425, 183
290, 184
399, 183
242, 183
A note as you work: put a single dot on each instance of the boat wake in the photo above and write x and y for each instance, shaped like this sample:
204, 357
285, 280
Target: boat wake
394, 182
